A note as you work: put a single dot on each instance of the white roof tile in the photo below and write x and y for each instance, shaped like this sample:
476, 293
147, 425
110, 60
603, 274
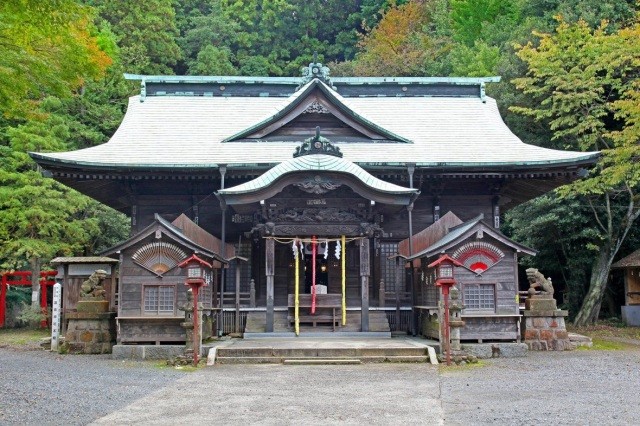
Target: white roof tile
178, 131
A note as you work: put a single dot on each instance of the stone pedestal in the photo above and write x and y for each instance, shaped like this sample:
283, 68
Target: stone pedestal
544, 325
91, 330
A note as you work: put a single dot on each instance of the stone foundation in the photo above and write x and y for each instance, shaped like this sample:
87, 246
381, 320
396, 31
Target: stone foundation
91, 330
544, 325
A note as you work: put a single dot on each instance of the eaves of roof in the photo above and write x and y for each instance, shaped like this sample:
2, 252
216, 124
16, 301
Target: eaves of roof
489, 167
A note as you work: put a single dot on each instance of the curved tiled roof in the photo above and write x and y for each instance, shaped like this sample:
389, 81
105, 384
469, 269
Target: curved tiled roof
317, 163
171, 132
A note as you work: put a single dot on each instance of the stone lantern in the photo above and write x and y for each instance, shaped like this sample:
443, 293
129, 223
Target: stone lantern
445, 279
455, 319
196, 269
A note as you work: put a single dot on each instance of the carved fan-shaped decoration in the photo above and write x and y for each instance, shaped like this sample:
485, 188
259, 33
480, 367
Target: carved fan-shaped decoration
159, 257
478, 256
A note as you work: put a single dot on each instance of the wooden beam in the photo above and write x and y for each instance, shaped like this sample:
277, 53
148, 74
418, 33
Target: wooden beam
270, 270
365, 271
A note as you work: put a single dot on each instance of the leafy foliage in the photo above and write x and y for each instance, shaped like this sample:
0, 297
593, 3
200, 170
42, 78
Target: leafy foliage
586, 83
45, 47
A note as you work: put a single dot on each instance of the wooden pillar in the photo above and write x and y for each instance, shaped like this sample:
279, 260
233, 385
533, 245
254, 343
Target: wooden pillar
399, 281
252, 293
365, 270
237, 295
411, 168
270, 268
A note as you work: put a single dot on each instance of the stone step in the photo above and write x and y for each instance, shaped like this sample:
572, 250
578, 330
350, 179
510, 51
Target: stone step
322, 361
265, 352
319, 360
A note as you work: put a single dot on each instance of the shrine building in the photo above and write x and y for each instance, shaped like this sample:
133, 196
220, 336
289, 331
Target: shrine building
318, 202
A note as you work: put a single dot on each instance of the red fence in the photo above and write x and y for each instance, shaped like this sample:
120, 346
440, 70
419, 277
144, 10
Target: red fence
23, 278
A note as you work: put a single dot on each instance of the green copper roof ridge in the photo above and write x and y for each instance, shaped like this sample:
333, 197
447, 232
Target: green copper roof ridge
298, 80
210, 79
308, 88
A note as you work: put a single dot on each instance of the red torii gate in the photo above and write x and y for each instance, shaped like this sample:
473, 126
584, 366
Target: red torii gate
23, 278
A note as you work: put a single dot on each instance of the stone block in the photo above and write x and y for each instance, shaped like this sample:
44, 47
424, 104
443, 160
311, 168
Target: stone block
93, 306
562, 334
75, 348
86, 336
120, 352
538, 345
163, 351
531, 335
546, 335
554, 323
107, 336
540, 322
541, 304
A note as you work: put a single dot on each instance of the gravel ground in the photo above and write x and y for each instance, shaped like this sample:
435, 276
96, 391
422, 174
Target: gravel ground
39, 387
568, 388
552, 388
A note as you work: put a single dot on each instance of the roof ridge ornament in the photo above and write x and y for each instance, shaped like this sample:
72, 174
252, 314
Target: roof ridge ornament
317, 145
316, 70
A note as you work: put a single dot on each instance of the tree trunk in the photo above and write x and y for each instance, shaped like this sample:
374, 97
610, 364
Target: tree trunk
590, 309
35, 282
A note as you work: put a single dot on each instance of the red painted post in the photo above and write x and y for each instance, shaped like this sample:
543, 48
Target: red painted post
45, 282
196, 326
447, 340
3, 299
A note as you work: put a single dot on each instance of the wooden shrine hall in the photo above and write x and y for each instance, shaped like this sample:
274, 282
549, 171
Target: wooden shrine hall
318, 199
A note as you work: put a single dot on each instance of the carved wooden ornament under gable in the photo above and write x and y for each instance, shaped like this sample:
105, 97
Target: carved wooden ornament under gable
317, 185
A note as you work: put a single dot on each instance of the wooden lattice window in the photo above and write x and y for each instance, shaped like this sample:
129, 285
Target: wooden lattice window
159, 299
481, 297
159, 256
388, 269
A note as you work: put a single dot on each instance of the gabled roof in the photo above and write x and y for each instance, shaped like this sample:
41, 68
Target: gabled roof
362, 182
329, 98
201, 237
461, 232
430, 235
633, 260
170, 231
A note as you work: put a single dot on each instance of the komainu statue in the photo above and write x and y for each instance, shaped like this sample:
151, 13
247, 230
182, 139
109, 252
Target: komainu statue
537, 281
92, 288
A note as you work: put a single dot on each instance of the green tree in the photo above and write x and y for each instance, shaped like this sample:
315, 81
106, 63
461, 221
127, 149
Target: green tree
586, 84
563, 232
212, 60
46, 47
146, 33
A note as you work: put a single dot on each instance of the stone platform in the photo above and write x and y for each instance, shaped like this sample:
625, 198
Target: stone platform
321, 351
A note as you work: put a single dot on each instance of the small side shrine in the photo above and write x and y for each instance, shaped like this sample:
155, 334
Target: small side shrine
487, 278
151, 286
74, 271
631, 267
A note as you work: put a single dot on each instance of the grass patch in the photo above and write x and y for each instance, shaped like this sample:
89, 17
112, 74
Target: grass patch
605, 329
21, 337
604, 345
